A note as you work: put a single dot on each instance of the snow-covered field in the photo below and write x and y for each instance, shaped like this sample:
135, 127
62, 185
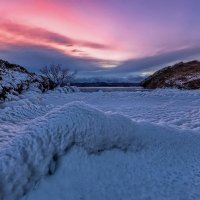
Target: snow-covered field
101, 145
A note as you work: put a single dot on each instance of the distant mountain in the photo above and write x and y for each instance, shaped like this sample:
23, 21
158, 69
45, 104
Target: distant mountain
14, 79
104, 84
181, 75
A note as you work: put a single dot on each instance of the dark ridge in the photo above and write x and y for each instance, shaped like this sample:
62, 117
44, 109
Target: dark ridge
181, 75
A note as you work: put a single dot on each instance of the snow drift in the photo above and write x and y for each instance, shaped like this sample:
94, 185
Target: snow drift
95, 155
164, 166
30, 150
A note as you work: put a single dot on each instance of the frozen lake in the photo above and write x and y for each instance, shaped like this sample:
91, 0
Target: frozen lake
112, 89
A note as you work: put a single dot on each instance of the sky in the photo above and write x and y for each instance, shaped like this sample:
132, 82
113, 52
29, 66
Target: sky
100, 39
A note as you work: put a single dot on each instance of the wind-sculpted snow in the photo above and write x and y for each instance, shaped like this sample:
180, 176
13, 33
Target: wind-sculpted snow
19, 114
33, 148
165, 167
97, 154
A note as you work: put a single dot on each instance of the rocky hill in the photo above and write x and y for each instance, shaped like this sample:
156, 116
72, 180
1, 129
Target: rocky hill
181, 75
14, 79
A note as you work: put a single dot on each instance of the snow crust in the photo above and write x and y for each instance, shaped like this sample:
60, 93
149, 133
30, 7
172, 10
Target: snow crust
11, 78
171, 107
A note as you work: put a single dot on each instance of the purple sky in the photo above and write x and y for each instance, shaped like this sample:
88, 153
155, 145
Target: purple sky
100, 38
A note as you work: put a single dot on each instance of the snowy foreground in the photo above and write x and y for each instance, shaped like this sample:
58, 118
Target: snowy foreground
101, 145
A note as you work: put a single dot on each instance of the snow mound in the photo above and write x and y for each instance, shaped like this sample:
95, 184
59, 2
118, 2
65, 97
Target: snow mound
165, 168
32, 149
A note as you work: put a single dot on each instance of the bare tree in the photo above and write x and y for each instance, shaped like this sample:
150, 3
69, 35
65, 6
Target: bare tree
60, 76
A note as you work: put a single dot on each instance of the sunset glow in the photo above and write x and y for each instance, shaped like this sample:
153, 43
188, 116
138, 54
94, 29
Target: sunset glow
107, 33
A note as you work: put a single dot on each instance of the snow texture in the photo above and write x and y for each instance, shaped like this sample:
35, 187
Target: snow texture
141, 145
30, 150
15, 79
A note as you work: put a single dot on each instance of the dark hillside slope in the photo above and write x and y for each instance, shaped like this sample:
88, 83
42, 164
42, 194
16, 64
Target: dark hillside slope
14, 79
181, 75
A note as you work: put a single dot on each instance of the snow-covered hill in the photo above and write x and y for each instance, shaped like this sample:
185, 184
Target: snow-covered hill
14, 79
181, 75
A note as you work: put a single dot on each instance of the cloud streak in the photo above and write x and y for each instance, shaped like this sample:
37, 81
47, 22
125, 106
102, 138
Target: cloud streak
152, 63
35, 56
40, 34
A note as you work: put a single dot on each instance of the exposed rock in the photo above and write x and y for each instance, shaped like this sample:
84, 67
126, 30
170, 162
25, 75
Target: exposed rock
14, 79
181, 75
